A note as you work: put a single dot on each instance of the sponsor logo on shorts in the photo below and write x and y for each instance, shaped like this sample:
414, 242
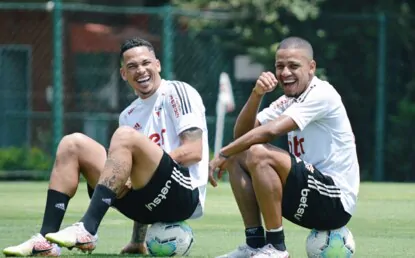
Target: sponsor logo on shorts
160, 197
303, 204
179, 178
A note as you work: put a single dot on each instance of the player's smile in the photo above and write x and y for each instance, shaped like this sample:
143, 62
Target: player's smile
289, 83
289, 86
144, 81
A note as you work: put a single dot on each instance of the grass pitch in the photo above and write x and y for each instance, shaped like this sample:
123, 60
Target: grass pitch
383, 226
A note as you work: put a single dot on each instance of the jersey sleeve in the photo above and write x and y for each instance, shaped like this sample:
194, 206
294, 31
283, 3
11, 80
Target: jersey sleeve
121, 120
273, 111
311, 108
185, 107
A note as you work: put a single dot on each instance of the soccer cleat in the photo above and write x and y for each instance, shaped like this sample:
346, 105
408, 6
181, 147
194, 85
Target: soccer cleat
270, 251
243, 251
74, 236
37, 245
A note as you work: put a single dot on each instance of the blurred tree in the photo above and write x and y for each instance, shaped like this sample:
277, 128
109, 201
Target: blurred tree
349, 51
243, 27
400, 146
255, 25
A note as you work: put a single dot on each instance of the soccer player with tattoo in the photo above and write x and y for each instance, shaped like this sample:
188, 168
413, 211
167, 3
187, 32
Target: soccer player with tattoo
156, 169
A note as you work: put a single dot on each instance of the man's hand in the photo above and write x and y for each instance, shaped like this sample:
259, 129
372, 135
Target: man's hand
135, 248
216, 164
265, 83
125, 189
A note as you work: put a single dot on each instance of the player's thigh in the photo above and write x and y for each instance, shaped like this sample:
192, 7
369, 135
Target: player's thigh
277, 158
169, 196
146, 154
311, 199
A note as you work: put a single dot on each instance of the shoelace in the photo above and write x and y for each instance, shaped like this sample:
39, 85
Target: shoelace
246, 249
267, 250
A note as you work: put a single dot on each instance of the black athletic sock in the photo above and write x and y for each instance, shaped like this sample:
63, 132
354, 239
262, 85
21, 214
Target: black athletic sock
101, 201
255, 237
56, 204
276, 238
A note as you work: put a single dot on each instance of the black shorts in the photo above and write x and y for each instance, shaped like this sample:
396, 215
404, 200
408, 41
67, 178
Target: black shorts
311, 199
168, 196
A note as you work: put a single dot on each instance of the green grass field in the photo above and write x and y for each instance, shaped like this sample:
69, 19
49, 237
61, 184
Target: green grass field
383, 225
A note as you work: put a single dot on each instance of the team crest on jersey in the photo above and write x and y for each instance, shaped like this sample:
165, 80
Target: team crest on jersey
158, 109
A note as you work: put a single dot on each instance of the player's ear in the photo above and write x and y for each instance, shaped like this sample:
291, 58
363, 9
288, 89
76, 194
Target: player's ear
123, 73
313, 66
158, 65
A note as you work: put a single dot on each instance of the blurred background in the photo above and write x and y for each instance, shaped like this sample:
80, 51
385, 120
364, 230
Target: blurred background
59, 68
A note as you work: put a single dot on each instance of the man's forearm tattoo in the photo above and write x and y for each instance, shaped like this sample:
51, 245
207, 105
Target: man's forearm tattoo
139, 233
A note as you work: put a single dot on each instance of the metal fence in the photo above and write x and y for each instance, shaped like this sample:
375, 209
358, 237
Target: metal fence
59, 70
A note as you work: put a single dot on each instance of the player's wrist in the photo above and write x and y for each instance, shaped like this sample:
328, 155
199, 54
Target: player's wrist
137, 242
258, 92
222, 155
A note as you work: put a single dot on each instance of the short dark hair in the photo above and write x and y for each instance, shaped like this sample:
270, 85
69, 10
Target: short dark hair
296, 42
132, 43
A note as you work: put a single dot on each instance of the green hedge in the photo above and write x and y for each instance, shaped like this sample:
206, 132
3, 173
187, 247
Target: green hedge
24, 163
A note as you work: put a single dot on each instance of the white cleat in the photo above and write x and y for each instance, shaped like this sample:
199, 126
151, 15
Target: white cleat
37, 245
74, 236
243, 251
270, 251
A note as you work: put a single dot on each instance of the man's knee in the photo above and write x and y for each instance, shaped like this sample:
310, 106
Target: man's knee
262, 156
70, 144
256, 155
126, 136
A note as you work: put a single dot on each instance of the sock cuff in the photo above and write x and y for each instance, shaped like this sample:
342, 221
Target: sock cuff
275, 229
259, 227
104, 194
105, 190
254, 231
58, 194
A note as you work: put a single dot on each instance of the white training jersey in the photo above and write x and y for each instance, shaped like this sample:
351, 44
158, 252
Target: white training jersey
324, 138
173, 108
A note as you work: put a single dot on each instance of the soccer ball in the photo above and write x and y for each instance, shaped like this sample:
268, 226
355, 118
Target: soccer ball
337, 243
169, 239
